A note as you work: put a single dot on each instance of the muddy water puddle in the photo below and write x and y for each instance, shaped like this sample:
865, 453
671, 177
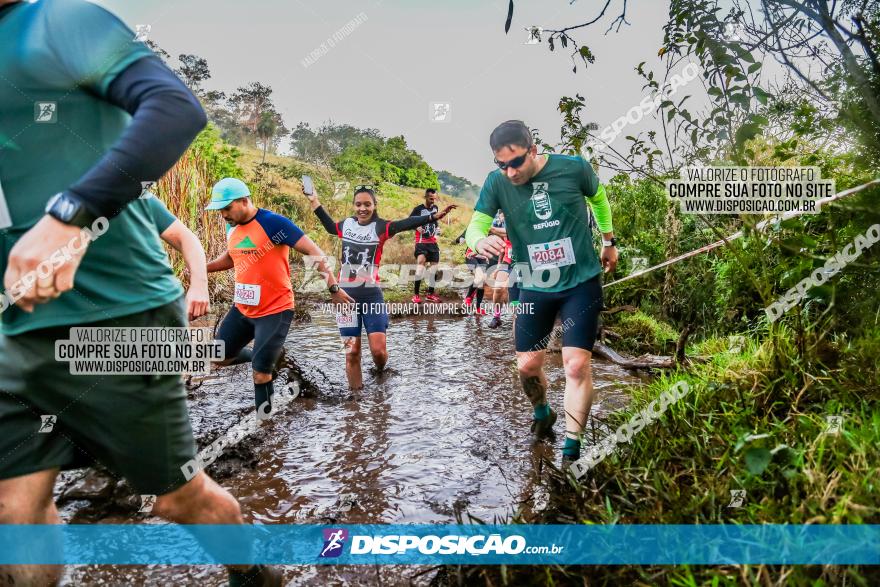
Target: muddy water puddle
441, 437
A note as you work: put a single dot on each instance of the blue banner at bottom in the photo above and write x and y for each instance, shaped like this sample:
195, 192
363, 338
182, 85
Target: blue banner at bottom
142, 544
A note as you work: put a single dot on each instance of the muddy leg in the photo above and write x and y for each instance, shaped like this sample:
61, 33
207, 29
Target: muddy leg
531, 374
28, 500
578, 389
200, 501
353, 363
379, 350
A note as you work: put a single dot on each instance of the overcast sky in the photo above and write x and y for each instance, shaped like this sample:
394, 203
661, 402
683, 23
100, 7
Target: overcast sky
407, 54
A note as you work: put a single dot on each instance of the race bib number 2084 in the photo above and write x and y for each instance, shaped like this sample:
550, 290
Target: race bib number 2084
553, 254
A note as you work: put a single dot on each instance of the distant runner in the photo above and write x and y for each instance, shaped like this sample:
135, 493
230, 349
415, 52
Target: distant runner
87, 114
363, 237
427, 251
499, 269
544, 199
258, 247
478, 265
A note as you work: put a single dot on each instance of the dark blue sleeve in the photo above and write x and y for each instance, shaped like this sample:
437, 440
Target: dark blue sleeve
166, 118
279, 229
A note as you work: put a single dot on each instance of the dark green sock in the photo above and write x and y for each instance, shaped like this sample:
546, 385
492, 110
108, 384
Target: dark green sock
572, 447
542, 411
262, 394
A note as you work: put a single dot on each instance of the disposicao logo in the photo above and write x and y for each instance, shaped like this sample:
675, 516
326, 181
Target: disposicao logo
334, 539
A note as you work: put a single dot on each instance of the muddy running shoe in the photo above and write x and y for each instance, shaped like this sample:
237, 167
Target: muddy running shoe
496, 322
432, 298
544, 427
417, 299
257, 576
567, 462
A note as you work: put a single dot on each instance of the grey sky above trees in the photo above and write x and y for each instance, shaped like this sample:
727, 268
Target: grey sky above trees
406, 55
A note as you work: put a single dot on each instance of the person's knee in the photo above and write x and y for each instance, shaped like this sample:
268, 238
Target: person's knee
198, 493
352, 350
529, 365
27, 499
577, 366
260, 378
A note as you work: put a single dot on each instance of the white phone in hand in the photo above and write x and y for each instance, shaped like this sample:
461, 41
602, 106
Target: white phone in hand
308, 186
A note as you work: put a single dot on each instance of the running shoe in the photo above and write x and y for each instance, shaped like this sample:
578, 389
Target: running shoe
432, 298
496, 322
417, 299
544, 426
567, 462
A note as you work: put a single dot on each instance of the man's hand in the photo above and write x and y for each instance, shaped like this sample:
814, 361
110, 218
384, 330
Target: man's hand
445, 211
57, 250
197, 301
341, 297
491, 246
609, 259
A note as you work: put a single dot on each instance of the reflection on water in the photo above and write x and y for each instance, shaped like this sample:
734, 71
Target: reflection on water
444, 434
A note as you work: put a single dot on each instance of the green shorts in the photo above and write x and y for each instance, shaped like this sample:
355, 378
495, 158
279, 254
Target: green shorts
137, 426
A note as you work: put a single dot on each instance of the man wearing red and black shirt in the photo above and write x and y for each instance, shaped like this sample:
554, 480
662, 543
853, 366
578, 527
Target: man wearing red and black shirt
427, 251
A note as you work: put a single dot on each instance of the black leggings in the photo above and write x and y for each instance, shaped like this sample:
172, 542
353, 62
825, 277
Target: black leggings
578, 308
268, 333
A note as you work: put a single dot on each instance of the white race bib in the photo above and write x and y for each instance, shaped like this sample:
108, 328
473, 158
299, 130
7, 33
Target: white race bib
247, 295
553, 254
346, 320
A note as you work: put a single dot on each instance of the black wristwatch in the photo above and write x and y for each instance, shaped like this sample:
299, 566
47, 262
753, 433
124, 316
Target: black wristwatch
69, 209
333, 288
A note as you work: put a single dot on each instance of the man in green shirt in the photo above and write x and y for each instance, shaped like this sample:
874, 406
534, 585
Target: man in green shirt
544, 199
88, 116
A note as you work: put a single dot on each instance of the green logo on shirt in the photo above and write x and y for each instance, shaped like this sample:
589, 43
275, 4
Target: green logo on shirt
541, 200
246, 243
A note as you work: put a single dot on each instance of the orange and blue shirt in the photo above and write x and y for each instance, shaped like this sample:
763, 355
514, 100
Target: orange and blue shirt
260, 249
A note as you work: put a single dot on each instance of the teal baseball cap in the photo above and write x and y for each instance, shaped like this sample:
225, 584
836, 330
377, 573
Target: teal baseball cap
226, 191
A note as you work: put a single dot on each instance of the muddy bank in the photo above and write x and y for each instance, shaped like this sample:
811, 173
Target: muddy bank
441, 437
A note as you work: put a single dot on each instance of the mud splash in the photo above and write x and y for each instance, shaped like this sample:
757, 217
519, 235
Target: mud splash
441, 437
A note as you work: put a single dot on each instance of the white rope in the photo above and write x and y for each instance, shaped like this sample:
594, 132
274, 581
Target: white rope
738, 234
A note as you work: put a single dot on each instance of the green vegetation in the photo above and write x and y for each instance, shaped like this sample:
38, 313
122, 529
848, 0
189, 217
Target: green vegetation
458, 186
756, 416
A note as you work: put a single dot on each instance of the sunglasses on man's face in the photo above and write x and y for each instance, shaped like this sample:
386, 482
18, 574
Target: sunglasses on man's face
515, 163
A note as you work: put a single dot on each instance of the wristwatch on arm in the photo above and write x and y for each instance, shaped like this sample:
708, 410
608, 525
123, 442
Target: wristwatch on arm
333, 288
611, 243
69, 209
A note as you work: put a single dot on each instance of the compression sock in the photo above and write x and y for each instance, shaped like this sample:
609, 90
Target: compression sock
418, 286
471, 291
572, 447
246, 355
430, 290
262, 394
496, 313
480, 293
542, 411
